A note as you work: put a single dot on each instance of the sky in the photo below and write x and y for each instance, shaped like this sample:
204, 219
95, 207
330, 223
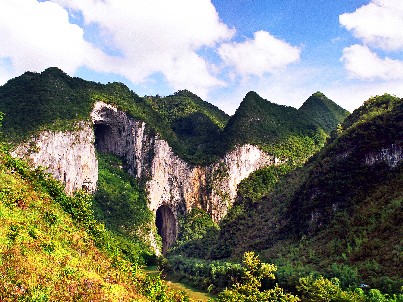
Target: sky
285, 50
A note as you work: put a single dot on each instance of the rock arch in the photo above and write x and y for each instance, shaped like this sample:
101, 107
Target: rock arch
167, 226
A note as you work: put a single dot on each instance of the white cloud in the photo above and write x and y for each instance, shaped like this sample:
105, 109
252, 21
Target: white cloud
378, 24
264, 54
364, 64
158, 36
36, 35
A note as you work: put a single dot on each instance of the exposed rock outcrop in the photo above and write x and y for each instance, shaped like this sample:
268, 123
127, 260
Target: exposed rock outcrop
170, 181
69, 156
390, 155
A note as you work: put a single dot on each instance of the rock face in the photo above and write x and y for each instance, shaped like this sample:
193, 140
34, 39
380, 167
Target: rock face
170, 180
173, 185
68, 156
390, 155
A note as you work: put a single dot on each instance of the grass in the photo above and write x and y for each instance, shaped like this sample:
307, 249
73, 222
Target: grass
52, 251
193, 293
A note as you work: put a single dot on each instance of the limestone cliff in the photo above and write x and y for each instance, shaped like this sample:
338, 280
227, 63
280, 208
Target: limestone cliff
69, 156
171, 182
169, 179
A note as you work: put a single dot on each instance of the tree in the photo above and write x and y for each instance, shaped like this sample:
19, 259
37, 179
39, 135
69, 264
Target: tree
250, 287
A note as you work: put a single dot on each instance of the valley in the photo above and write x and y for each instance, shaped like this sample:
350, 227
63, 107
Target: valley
272, 203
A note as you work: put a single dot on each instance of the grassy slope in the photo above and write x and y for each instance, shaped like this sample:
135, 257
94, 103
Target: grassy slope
45, 255
52, 249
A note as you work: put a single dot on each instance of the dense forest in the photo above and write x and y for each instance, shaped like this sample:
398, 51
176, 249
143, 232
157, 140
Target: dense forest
324, 224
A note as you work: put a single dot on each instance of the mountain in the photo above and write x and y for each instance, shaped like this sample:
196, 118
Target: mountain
185, 177
337, 213
326, 113
54, 100
196, 123
197, 131
258, 121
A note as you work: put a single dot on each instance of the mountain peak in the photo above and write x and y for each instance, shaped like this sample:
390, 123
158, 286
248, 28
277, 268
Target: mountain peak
326, 113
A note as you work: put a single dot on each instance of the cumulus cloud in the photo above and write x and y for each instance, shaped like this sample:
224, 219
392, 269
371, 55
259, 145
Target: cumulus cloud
37, 35
158, 36
378, 24
362, 63
146, 38
264, 54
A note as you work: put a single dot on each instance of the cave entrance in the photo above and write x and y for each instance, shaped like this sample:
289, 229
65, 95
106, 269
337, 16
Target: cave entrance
166, 225
102, 137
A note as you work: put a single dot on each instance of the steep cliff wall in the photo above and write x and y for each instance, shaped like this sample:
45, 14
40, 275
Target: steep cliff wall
68, 156
173, 185
169, 179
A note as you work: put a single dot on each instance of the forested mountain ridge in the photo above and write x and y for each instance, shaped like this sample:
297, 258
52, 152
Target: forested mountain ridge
197, 131
338, 212
331, 216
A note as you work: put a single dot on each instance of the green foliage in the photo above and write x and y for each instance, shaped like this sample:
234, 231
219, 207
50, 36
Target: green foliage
197, 234
323, 111
261, 182
121, 204
322, 289
203, 274
263, 123
333, 215
197, 125
318, 289
250, 286
52, 248
51, 99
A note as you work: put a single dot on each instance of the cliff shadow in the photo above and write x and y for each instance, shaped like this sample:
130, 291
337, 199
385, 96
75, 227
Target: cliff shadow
166, 226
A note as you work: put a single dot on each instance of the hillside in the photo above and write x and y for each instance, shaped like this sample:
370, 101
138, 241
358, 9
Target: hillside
261, 122
336, 213
282, 130
52, 248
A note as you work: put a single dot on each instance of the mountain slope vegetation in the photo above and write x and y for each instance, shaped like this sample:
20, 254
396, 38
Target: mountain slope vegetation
337, 213
54, 100
333, 211
323, 111
197, 131
52, 248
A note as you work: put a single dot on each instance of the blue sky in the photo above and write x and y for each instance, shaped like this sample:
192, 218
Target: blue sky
219, 49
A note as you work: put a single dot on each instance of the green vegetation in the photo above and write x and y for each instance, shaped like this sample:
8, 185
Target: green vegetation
197, 234
52, 100
197, 131
121, 204
249, 287
260, 122
323, 111
327, 218
332, 216
52, 248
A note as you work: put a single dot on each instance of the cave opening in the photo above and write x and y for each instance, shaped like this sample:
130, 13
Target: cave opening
166, 226
102, 137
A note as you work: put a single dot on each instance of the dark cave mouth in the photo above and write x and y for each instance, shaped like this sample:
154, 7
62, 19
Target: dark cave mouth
166, 227
102, 136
